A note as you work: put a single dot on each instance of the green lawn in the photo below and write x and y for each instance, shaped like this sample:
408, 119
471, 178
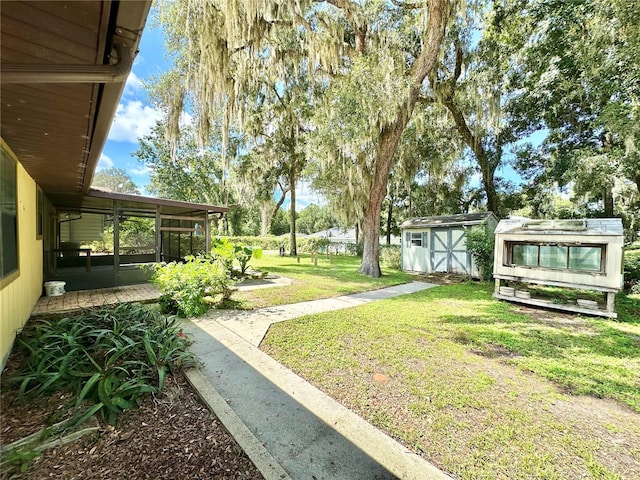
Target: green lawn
311, 282
482, 388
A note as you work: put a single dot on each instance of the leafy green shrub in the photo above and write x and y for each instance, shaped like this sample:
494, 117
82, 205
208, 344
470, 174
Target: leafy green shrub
222, 250
390, 256
108, 357
631, 268
480, 243
244, 253
226, 251
313, 244
270, 242
355, 248
187, 286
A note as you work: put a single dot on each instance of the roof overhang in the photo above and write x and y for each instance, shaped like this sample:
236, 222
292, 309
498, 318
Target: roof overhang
64, 66
98, 201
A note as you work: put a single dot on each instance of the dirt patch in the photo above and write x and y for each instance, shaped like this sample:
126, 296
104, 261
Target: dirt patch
491, 350
172, 435
442, 278
556, 319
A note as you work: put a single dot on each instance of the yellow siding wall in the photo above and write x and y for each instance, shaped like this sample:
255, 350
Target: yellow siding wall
18, 298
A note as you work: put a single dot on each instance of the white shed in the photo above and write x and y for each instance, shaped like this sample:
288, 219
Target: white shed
437, 244
581, 254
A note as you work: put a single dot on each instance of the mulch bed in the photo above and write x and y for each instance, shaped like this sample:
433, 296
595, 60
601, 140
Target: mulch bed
171, 436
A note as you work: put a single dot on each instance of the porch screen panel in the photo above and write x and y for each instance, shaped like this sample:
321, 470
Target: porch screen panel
553, 256
586, 258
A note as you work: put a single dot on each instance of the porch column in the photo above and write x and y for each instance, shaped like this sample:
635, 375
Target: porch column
207, 233
158, 236
116, 242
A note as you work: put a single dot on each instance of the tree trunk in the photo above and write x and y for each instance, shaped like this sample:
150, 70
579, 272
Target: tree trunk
486, 164
267, 214
608, 202
389, 138
490, 188
292, 210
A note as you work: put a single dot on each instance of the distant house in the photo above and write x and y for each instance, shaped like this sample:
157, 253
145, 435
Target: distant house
340, 238
437, 244
583, 254
64, 67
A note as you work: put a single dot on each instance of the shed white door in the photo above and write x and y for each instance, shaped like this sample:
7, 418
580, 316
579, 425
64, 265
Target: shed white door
414, 253
449, 251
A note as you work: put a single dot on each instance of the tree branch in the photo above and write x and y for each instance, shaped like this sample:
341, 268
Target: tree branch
458, 69
426, 100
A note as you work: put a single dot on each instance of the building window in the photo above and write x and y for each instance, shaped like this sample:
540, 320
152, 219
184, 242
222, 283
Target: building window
416, 239
587, 258
8, 216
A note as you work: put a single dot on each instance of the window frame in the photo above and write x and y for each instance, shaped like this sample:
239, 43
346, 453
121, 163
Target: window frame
8, 277
510, 244
416, 237
39, 212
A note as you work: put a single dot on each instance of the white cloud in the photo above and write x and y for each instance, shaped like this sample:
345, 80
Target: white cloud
104, 163
133, 85
133, 120
140, 171
138, 60
186, 120
305, 196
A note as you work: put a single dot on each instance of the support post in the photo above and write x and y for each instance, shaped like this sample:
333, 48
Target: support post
116, 241
158, 236
611, 297
207, 233
497, 288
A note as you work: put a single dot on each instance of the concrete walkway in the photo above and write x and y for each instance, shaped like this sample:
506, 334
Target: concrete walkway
289, 428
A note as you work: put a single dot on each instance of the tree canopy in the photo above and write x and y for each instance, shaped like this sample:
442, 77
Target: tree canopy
115, 180
395, 108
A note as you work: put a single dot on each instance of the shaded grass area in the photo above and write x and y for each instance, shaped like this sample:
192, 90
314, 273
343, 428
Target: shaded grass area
311, 282
484, 389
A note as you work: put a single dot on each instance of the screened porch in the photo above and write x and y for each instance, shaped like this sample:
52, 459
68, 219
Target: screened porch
103, 239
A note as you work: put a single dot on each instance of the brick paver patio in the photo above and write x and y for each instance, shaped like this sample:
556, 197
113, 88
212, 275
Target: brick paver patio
92, 298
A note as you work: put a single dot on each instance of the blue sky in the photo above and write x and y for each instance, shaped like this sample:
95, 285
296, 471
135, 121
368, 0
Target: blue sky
135, 115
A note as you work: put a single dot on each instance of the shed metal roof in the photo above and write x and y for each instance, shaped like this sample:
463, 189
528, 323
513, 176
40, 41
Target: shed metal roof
577, 227
463, 219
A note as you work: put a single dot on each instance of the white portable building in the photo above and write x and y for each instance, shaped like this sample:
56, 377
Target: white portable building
581, 254
340, 239
438, 244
